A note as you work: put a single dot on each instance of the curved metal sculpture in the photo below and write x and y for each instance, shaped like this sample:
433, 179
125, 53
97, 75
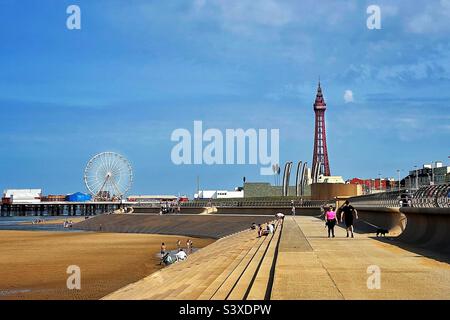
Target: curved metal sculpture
298, 181
316, 172
286, 177
304, 178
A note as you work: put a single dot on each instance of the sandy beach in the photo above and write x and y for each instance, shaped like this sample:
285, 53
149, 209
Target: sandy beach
33, 264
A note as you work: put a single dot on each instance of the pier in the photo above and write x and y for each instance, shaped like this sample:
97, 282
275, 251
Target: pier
59, 208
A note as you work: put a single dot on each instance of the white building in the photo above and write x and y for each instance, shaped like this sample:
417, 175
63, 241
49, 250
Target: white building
219, 194
330, 179
430, 174
151, 198
23, 195
441, 174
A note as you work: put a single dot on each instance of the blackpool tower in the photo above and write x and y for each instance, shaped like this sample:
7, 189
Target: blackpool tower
320, 154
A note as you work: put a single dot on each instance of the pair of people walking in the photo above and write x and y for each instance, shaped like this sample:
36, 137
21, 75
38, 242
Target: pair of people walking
347, 214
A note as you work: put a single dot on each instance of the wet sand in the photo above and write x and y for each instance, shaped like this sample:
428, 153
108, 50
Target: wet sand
33, 264
55, 221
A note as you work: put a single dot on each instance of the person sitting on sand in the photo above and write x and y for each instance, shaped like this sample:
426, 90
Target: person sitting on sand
262, 231
181, 255
259, 230
166, 259
279, 216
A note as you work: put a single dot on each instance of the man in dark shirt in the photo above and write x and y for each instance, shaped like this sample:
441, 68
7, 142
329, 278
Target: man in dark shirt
348, 214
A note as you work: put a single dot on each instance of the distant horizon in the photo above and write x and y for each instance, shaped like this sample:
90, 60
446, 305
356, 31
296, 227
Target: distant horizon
130, 77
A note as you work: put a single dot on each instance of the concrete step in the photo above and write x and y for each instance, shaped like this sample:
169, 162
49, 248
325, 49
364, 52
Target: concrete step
204, 277
177, 277
263, 278
215, 284
229, 283
244, 284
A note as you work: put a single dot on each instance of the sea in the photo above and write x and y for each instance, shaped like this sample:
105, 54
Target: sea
24, 224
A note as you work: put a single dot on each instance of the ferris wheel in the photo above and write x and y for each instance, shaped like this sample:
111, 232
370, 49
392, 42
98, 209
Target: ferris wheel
108, 176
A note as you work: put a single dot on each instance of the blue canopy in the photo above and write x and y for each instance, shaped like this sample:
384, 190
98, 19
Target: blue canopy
78, 197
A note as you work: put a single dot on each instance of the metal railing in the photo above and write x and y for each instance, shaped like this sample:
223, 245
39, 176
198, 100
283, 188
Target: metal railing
437, 196
255, 203
432, 197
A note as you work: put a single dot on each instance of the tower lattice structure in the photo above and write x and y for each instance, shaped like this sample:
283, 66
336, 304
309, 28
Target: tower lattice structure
320, 154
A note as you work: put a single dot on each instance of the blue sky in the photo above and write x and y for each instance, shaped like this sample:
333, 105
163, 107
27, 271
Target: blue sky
137, 70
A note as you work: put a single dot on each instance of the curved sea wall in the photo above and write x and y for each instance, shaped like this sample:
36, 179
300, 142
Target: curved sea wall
202, 226
427, 227
423, 227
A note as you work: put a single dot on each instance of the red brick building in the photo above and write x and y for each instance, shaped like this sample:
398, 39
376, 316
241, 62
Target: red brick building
376, 184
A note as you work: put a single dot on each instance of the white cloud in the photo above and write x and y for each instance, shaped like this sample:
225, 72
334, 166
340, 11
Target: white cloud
348, 96
199, 4
433, 19
265, 12
389, 10
246, 16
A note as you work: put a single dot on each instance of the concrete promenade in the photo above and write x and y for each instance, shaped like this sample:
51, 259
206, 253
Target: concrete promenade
299, 261
312, 266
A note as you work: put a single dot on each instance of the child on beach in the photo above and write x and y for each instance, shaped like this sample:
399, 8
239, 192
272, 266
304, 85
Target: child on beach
163, 249
188, 245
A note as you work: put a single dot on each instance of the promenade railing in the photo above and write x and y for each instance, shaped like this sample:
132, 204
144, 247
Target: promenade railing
227, 203
437, 196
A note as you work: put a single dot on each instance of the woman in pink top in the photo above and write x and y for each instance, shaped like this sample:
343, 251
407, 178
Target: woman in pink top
330, 217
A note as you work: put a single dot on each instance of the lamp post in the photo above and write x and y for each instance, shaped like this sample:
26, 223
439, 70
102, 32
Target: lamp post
416, 178
432, 174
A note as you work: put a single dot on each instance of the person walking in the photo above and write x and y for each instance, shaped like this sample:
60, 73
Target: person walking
293, 207
348, 214
179, 244
331, 220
